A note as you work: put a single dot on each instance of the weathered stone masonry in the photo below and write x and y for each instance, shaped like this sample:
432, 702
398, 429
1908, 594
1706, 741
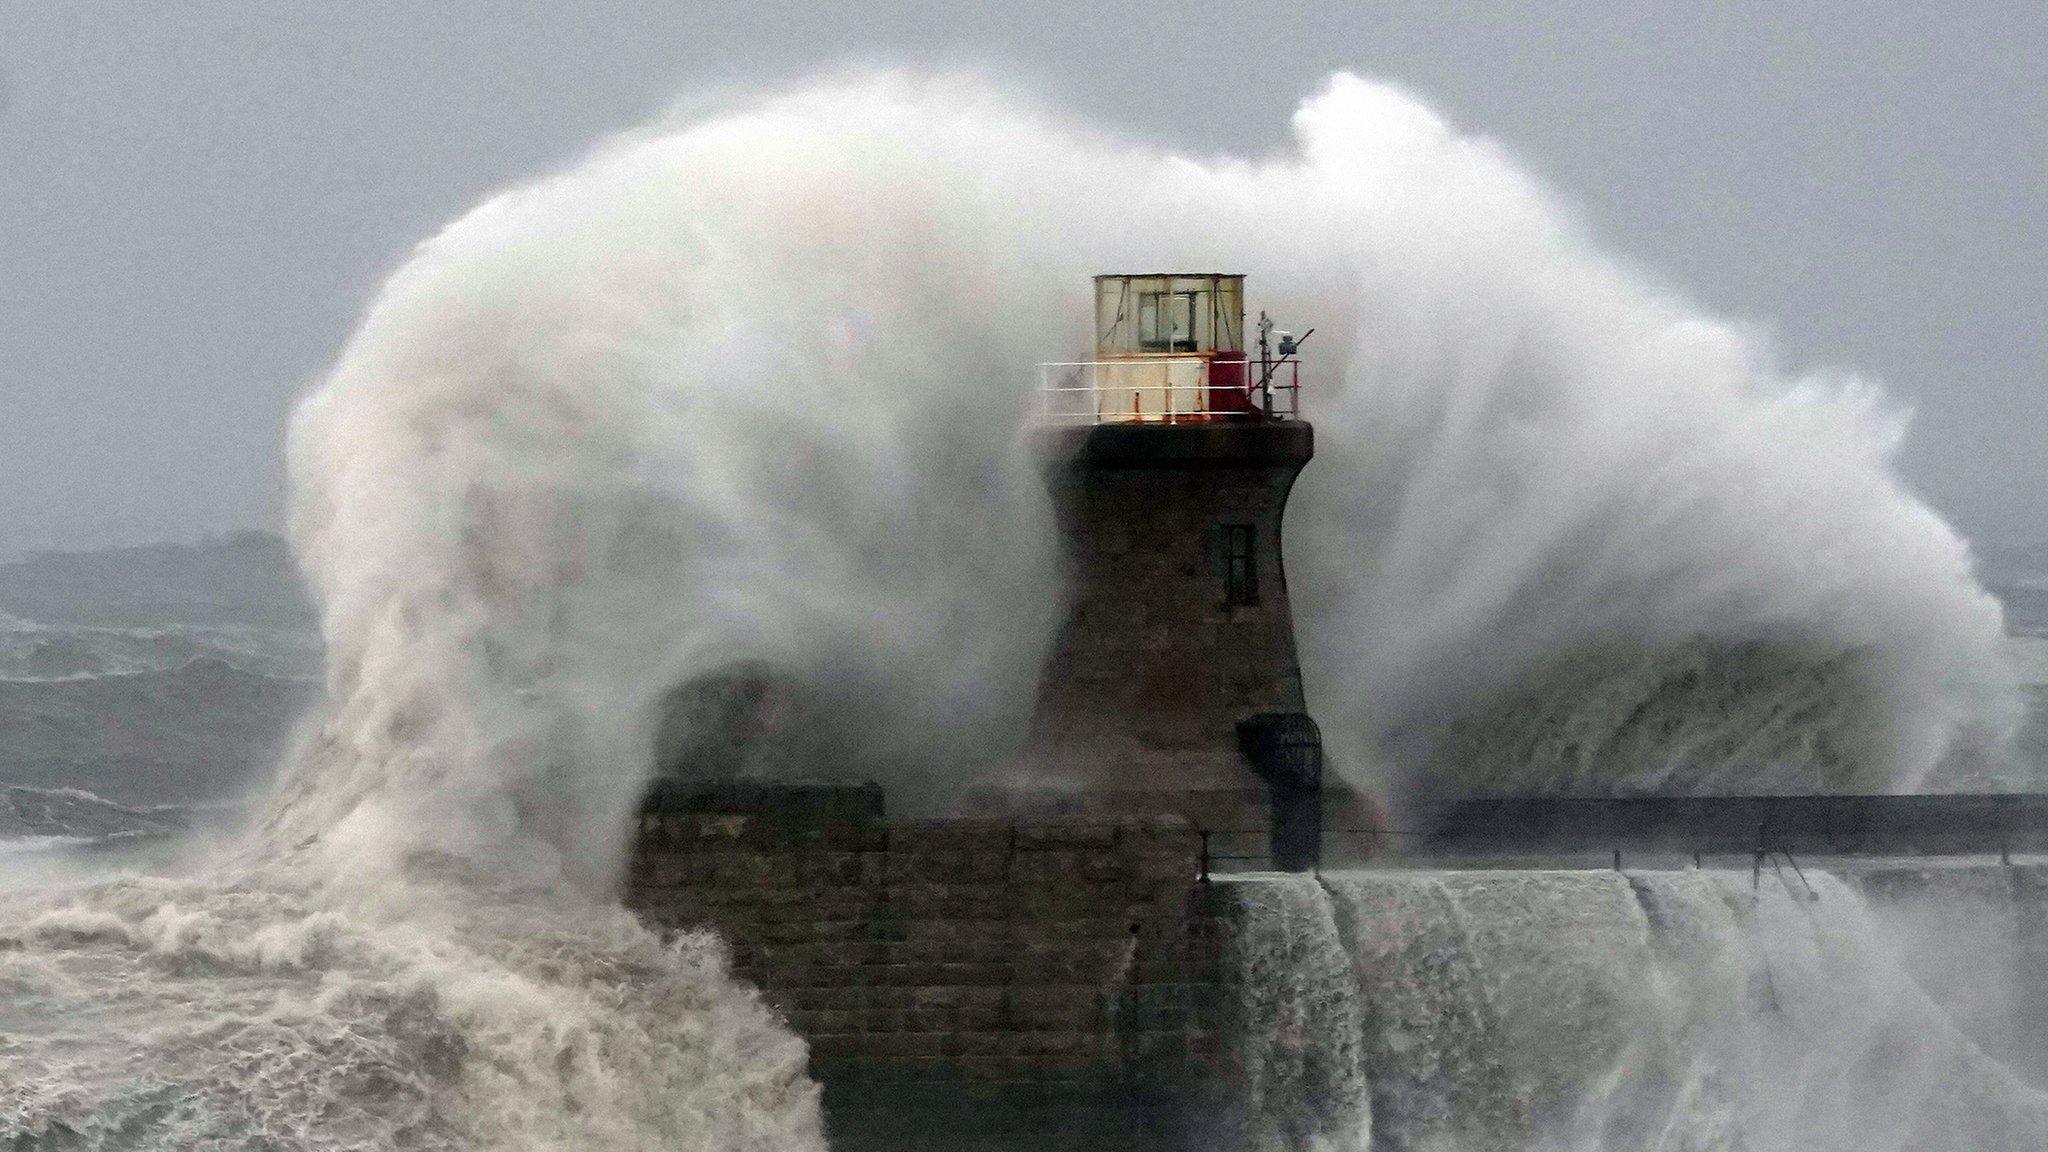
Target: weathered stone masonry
960, 980
1156, 663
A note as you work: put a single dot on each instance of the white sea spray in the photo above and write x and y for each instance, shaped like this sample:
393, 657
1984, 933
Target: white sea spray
750, 390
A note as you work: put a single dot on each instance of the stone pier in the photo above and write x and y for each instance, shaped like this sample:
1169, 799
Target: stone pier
965, 983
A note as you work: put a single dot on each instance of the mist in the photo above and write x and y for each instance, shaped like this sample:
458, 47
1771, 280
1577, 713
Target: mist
750, 389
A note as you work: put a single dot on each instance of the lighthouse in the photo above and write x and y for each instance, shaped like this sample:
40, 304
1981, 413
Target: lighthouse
1173, 684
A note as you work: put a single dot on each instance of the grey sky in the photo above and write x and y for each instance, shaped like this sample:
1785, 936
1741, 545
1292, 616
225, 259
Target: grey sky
196, 198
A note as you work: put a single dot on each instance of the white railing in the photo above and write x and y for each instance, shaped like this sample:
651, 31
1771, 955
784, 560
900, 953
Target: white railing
1166, 390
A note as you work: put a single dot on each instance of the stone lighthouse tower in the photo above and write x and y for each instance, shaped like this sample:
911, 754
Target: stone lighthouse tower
1174, 684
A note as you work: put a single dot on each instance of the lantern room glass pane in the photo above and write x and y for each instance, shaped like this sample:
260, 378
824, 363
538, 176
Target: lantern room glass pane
1166, 320
1169, 315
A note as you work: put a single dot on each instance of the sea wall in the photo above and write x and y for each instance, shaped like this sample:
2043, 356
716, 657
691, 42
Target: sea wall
1039, 984
1915, 825
979, 983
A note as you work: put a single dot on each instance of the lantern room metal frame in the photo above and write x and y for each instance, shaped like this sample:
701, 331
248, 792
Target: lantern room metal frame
1169, 348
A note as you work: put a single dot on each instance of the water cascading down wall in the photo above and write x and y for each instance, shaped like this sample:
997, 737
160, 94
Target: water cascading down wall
1662, 1011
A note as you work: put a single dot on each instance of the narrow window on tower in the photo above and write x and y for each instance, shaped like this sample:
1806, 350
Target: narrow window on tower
1240, 564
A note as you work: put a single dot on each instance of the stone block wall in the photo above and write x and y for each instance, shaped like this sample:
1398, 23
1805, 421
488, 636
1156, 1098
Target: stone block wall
1153, 667
980, 983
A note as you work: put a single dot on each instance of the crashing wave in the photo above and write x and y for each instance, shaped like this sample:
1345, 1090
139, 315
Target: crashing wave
747, 391
1695, 718
74, 814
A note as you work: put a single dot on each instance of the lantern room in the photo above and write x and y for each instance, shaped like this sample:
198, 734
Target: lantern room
1169, 348
1169, 316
